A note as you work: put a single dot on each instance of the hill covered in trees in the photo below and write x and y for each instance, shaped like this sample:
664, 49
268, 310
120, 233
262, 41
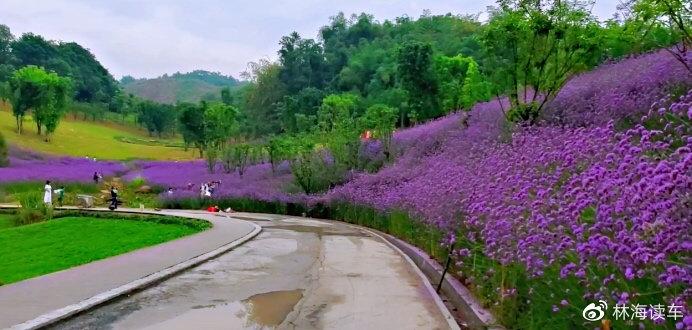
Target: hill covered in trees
180, 87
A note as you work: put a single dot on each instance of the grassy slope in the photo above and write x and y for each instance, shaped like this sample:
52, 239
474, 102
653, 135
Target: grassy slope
46, 247
80, 138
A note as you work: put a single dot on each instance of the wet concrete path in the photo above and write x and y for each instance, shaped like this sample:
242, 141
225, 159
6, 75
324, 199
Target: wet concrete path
297, 274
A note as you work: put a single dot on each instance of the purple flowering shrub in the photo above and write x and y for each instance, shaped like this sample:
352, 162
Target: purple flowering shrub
619, 90
593, 210
258, 181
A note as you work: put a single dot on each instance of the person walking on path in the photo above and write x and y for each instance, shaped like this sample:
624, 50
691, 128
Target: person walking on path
61, 195
47, 194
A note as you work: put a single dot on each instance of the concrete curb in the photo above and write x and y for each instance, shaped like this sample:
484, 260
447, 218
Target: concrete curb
67, 311
438, 301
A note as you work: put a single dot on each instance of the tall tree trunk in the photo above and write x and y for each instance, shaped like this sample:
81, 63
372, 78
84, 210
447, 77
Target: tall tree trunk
19, 124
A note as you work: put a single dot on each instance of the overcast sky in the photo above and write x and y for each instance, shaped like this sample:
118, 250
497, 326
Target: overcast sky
150, 38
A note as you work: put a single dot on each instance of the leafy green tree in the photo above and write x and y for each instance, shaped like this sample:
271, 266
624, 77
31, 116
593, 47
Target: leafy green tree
157, 118
475, 88
676, 15
337, 112
381, 119
536, 46
32, 88
54, 102
302, 63
191, 125
4, 157
220, 123
415, 71
236, 156
261, 99
7, 59
451, 74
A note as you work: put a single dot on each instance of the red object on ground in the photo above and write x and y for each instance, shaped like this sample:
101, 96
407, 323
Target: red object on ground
213, 209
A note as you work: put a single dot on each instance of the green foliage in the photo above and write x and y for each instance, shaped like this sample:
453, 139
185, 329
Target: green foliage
219, 122
236, 156
261, 99
381, 120
157, 118
42, 92
32, 209
666, 22
451, 73
415, 71
211, 156
475, 88
337, 112
4, 157
191, 119
536, 48
91, 81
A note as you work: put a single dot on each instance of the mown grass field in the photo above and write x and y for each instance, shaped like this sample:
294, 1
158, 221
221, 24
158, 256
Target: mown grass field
50, 246
82, 138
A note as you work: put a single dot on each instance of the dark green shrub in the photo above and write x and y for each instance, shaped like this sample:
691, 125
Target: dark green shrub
4, 158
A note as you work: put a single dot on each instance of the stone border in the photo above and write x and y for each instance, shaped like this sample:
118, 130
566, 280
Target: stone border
67, 311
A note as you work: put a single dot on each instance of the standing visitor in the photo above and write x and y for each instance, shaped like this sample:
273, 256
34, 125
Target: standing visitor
61, 195
96, 177
47, 194
114, 199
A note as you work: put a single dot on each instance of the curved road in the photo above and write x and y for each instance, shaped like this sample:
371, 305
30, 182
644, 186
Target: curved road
297, 274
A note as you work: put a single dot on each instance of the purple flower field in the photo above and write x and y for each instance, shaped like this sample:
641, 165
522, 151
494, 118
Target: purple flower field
28, 166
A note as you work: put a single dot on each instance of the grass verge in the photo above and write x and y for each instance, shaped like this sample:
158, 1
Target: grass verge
75, 239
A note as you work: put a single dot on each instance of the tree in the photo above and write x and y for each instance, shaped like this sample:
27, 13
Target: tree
451, 74
416, 75
381, 119
4, 158
220, 123
337, 112
533, 47
260, 102
54, 102
676, 15
7, 59
191, 119
44, 93
475, 88
236, 156
157, 118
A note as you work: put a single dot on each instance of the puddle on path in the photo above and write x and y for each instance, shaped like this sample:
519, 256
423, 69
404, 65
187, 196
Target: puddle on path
271, 308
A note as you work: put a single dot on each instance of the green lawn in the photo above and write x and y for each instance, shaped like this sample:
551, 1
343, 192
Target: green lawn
46, 247
5, 221
94, 139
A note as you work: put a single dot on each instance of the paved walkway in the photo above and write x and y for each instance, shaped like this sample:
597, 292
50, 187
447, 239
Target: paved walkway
31, 298
297, 273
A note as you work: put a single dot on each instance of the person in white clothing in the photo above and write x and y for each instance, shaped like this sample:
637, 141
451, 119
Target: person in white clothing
48, 194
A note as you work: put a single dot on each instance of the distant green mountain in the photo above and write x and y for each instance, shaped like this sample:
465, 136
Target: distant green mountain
180, 87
